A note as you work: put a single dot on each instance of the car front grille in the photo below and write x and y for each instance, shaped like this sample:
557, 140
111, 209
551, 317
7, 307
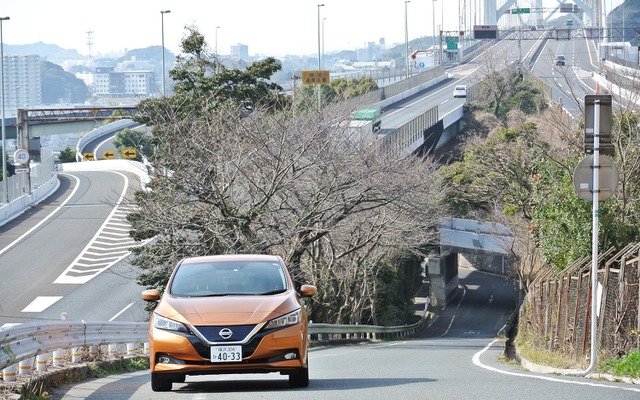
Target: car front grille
239, 333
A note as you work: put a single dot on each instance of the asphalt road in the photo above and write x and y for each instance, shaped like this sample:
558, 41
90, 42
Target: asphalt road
457, 357
66, 258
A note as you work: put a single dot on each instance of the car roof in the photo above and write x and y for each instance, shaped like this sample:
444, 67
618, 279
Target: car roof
232, 257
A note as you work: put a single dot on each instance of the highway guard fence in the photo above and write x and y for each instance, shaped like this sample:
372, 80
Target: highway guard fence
628, 78
28, 189
18, 183
398, 141
33, 346
377, 97
556, 312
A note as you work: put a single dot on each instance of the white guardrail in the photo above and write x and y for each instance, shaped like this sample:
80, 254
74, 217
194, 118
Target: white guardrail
32, 346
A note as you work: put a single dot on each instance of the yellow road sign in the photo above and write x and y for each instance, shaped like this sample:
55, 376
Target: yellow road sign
87, 156
129, 153
315, 78
108, 154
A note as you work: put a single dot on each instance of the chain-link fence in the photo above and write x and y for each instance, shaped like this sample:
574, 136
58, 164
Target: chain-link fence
557, 309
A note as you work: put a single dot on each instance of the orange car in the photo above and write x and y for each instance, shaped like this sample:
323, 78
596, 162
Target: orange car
229, 314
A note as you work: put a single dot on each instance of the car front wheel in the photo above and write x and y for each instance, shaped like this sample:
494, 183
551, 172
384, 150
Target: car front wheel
159, 383
299, 378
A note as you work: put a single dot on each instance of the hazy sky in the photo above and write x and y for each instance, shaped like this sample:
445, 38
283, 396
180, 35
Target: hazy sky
267, 27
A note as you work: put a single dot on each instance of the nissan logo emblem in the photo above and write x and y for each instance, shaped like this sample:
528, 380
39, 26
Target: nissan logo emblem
225, 333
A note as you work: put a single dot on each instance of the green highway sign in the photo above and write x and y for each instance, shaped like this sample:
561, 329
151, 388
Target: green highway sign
521, 11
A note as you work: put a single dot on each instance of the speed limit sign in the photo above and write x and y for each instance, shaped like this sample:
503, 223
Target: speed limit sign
21, 156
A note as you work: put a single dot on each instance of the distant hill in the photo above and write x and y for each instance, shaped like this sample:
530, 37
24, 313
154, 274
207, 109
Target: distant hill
57, 55
152, 53
627, 14
51, 52
59, 86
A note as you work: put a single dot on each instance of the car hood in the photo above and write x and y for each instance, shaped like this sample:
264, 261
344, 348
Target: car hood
227, 310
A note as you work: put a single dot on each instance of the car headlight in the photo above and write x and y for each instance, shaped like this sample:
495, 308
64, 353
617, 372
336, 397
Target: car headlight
286, 320
167, 324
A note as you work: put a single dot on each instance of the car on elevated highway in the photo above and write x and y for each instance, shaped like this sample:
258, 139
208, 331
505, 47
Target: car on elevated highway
460, 91
229, 314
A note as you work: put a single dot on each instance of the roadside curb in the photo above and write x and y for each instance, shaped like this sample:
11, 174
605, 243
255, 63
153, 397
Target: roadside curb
544, 369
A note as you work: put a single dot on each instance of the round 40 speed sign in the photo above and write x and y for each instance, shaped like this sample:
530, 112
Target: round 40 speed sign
21, 156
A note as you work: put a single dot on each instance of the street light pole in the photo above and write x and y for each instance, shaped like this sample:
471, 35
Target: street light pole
164, 90
319, 58
216, 44
5, 186
323, 21
406, 39
217, 59
433, 15
441, 30
319, 5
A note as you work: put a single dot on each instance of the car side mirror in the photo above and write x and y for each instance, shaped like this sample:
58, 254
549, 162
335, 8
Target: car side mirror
151, 295
307, 290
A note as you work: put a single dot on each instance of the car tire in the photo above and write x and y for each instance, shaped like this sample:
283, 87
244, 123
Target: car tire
299, 378
159, 383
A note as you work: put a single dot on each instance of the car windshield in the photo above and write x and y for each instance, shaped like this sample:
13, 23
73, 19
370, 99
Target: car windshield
461, 87
228, 278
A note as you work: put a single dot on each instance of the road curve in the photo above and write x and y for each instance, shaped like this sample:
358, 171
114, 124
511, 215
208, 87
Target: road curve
456, 357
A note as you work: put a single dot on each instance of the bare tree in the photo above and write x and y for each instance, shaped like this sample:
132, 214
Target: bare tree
308, 188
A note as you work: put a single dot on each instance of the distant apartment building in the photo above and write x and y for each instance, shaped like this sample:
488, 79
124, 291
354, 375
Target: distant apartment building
370, 52
240, 51
109, 82
22, 82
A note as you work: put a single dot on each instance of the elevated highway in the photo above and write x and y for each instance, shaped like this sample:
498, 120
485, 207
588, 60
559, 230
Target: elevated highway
38, 122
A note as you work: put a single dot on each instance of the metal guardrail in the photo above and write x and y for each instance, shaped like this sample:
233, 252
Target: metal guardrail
331, 333
24, 342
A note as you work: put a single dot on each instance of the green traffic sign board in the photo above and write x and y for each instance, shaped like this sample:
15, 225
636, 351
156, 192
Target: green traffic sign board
521, 11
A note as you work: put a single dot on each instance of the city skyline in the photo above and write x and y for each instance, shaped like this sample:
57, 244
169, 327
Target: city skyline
265, 27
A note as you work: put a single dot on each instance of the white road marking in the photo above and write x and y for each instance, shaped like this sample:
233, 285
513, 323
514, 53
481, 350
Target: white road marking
41, 303
121, 311
464, 292
27, 233
109, 245
477, 362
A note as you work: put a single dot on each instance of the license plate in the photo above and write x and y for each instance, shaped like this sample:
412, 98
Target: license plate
226, 354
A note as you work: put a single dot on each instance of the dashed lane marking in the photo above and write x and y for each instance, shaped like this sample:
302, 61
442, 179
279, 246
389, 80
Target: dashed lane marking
41, 303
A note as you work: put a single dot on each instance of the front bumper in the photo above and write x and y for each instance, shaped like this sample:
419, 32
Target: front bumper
281, 350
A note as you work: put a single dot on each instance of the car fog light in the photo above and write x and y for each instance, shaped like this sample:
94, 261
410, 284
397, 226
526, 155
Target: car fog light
290, 356
164, 360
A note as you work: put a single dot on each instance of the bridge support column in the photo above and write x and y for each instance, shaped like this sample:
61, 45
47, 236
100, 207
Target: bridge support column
443, 278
